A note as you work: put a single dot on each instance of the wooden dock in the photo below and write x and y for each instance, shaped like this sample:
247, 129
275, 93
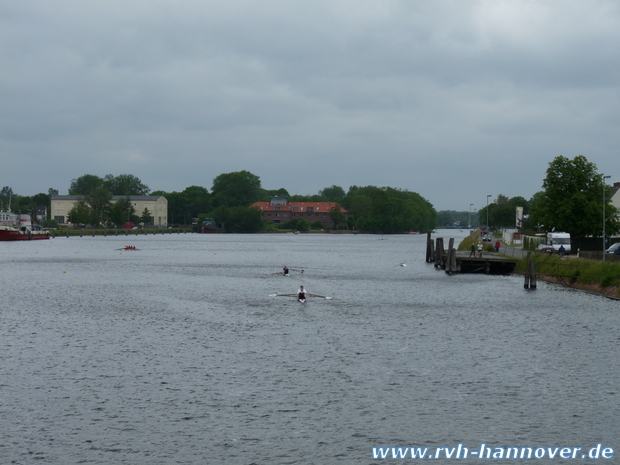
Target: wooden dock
488, 264
458, 261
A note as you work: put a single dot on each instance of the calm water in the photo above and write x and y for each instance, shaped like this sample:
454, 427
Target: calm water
176, 354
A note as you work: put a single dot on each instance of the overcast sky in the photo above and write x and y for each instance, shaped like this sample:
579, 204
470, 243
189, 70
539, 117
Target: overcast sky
451, 99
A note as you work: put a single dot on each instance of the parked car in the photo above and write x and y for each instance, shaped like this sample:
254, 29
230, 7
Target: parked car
547, 248
614, 249
486, 237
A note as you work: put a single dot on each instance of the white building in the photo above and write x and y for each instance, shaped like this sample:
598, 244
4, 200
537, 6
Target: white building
615, 195
157, 206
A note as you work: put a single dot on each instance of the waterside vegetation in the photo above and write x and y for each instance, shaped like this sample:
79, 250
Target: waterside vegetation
580, 273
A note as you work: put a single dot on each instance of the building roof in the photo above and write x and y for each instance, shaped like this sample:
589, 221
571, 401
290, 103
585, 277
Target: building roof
299, 206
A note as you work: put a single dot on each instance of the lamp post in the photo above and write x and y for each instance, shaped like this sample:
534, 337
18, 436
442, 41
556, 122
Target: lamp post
604, 201
469, 220
489, 195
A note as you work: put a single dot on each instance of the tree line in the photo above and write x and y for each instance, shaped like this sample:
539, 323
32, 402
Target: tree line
371, 208
574, 199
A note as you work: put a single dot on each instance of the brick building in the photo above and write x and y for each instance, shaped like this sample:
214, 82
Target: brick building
279, 210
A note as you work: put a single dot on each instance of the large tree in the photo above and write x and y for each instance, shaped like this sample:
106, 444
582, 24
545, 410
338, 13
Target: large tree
6, 197
99, 202
125, 184
388, 210
237, 189
80, 213
122, 211
572, 199
239, 219
85, 184
333, 193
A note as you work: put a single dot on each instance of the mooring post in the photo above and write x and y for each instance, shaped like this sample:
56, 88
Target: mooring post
451, 263
429, 247
439, 252
526, 283
533, 274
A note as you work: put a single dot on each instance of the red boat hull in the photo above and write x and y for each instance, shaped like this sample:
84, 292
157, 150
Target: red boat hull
18, 236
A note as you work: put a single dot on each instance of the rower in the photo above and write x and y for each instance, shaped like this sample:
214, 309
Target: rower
285, 270
301, 293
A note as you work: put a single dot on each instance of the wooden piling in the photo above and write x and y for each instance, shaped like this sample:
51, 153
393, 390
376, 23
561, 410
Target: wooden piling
526, 283
530, 273
439, 252
451, 262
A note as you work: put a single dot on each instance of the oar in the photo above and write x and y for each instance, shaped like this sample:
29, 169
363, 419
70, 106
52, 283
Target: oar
295, 295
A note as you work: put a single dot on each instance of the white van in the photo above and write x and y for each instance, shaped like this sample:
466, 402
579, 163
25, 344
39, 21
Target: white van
556, 240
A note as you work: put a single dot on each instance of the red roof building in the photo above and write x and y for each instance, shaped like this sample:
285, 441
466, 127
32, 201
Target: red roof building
279, 210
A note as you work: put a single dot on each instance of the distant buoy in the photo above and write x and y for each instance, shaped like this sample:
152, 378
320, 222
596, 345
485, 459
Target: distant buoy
64, 271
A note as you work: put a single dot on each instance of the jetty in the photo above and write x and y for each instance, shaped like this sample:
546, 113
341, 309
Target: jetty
459, 261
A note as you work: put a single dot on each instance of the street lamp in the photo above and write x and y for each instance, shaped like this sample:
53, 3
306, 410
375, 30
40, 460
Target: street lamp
604, 201
469, 220
489, 195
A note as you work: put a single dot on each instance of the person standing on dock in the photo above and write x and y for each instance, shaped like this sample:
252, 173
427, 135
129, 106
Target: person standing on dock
480, 249
497, 246
472, 253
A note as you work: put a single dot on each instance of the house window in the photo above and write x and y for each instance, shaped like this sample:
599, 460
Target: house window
294, 207
310, 209
277, 208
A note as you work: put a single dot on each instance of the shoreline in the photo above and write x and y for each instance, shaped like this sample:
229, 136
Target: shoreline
611, 292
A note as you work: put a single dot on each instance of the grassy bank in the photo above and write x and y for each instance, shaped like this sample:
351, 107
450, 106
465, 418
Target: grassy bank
474, 239
581, 273
116, 232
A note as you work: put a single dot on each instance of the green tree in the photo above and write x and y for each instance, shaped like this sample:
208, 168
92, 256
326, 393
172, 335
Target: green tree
240, 188
121, 211
388, 210
572, 199
6, 197
266, 195
239, 219
146, 218
85, 184
125, 184
333, 193
299, 224
338, 218
80, 213
99, 202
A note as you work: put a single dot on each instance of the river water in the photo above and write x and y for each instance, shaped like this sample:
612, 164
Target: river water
176, 354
